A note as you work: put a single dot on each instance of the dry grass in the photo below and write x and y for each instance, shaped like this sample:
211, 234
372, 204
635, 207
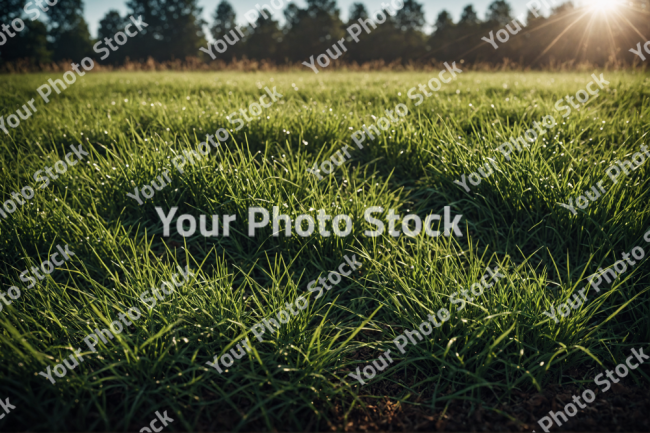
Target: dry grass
247, 65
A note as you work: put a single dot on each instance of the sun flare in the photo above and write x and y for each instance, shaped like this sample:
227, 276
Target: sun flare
603, 5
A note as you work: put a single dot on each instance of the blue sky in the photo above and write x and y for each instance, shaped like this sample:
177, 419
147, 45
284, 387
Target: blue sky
95, 9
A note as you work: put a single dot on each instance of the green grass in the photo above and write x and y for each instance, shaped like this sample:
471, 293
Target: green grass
497, 344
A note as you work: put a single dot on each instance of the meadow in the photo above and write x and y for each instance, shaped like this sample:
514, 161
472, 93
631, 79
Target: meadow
474, 371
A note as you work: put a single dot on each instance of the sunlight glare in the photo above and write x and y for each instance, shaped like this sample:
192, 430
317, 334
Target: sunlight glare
603, 5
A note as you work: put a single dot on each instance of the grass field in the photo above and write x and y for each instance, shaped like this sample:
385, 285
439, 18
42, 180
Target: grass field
475, 367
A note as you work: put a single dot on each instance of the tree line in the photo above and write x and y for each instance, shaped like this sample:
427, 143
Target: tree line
176, 31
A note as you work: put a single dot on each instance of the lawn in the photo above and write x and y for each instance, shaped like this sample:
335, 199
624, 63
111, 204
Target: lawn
476, 370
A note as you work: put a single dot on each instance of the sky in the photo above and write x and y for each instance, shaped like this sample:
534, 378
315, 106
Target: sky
96, 9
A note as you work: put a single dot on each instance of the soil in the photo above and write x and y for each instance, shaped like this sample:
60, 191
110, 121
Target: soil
624, 407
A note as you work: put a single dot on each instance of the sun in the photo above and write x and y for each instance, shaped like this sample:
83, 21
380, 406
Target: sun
603, 5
